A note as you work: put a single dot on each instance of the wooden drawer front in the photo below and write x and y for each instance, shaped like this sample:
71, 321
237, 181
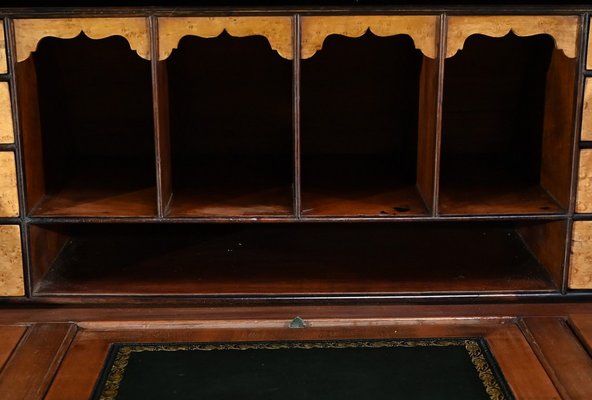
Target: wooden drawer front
587, 111
8, 185
584, 196
6, 127
3, 63
580, 275
11, 261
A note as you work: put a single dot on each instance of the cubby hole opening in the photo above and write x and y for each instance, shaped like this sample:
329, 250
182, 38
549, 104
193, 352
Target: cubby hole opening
297, 259
230, 128
360, 113
86, 117
507, 126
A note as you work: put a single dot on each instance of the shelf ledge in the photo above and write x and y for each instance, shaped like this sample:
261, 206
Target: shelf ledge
563, 30
422, 29
28, 32
277, 30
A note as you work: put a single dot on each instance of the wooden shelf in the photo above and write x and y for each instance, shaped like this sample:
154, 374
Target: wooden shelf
492, 185
360, 112
108, 191
88, 130
240, 200
503, 149
214, 156
230, 128
303, 259
387, 200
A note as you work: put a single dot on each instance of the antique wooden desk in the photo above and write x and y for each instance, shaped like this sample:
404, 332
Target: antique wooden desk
353, 166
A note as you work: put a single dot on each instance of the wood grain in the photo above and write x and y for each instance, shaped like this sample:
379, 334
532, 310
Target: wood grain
547, 242
580, 270
11, 261
582, 326
28, 32
179, 313
30, 371
9, 205
422, 30
277, 30
286, 259
3, 60
563, 29
30, 125
6, 126
45, 244
565, 359
427, 131
161, 106
501, 199
80, 200
524, 373
558, 128
274, 199
388, 199
10, 335
584, 195
586, 133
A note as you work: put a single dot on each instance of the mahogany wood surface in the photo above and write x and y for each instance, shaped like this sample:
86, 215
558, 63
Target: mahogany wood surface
427, 131
30, 371
328, 259
10, 335
558, 127
582, 326
552, 366
81, 367
546, 242
329, 199
498, 140
565, 359
242, 199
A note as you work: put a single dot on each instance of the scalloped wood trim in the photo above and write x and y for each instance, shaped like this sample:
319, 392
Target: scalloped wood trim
563, 29
586, 132
277, 30
584, 195
9, 206
28, 32
421, 28
11, 261
580, 269
6, 127
3, 62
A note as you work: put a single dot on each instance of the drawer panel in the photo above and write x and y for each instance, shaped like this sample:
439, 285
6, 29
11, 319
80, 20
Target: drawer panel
587, 111
580, 274
584, 196
3, 62
11, 261
6, 127
8, 185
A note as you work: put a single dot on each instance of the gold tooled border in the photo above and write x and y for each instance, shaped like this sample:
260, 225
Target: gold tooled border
473, 347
